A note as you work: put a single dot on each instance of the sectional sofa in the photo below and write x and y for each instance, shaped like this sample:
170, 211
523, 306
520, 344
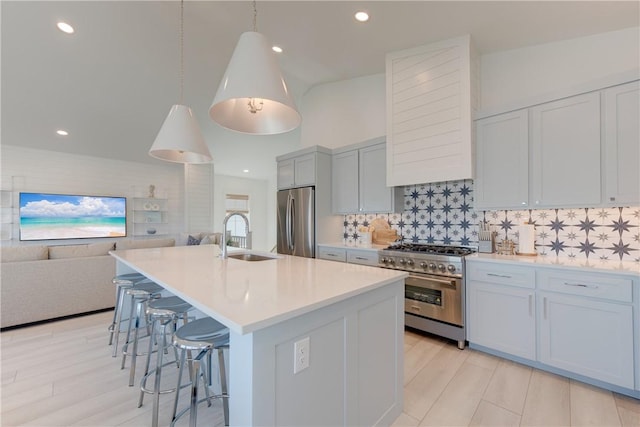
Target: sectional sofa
40, 282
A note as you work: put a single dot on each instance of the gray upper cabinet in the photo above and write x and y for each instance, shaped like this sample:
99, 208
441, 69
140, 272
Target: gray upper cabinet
375, 196
344, 182
578, 151
359, 181
565, 142
622, 144
502, 161
297, 171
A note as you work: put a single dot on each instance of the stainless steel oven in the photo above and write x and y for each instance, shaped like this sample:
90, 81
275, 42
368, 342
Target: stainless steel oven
434, 290
435, 297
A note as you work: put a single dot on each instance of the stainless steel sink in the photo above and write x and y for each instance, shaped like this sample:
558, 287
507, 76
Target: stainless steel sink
250, 257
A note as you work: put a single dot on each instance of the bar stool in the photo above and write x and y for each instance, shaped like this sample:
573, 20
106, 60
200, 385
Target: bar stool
162, 312
140, 294
122, 281
202, 336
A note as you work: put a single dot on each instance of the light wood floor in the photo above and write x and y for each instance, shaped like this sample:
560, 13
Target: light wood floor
62, 374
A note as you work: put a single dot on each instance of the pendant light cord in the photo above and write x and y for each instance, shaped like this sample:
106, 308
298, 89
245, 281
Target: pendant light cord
255, 17
181, 52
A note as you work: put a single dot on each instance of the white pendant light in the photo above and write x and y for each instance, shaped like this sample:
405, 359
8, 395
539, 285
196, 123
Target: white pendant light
253, 96
180, 139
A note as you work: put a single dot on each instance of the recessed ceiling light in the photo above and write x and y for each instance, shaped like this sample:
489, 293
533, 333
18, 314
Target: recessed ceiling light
277, 49
62, 132
245, 170
65, 28
362, 16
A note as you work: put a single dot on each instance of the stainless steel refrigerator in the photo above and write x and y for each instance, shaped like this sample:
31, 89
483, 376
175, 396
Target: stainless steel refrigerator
296, 222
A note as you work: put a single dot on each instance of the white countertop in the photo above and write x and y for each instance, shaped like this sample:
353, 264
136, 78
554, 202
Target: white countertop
619, 267
250, 295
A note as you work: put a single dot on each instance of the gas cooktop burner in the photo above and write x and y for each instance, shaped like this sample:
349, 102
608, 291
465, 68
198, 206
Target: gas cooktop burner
430, 249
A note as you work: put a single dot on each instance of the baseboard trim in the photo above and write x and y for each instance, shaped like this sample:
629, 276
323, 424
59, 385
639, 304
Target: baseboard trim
56, 319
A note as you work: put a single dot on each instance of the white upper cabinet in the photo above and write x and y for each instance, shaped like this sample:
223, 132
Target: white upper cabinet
297, 171
502, 161
566, 152
358, 181
431, 96
622, 144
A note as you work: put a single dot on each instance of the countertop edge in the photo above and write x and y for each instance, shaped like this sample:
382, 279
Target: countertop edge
372, 247
627, 268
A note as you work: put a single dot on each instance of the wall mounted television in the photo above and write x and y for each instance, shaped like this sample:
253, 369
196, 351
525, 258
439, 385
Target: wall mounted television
65, 216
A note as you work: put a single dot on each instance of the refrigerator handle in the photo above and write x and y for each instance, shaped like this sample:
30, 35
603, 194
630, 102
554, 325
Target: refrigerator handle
288, 224
292, 234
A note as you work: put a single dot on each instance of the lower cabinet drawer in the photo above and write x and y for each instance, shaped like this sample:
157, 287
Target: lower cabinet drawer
362, 257
333, 254
593, 285
524, 277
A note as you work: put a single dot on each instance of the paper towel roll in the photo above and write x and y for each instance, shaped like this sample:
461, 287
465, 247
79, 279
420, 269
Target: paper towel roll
527, 239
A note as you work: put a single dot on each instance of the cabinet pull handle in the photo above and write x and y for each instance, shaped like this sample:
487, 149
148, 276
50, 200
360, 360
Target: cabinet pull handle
544, 307
415, 308
530, 305
504, 276
361, 258
581, 285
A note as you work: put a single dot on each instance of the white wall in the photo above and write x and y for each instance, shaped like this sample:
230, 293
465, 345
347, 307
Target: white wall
344, 112
261, 218
51, 172
349, 111
519, 74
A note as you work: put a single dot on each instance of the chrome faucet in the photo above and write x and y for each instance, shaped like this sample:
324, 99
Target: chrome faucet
223, 243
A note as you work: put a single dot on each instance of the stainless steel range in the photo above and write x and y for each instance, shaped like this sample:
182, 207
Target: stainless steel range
434, 290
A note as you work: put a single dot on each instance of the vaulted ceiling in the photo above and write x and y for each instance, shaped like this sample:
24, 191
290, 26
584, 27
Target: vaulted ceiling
112, 82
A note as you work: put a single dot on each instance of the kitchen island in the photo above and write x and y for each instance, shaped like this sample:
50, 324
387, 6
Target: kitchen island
351, 314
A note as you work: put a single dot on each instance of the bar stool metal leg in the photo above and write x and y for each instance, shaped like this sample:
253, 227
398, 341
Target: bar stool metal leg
195, 378
134, 351
223, 386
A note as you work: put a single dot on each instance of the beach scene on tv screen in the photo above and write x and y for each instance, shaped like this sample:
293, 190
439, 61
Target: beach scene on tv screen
56, 216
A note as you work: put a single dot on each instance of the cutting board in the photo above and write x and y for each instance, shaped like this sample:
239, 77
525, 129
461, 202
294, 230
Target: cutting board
382, 233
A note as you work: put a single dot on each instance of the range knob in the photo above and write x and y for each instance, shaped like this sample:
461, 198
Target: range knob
403, 261
391, 261
442, 268
451, 268
410, 262
432, 266
424, 265
384, 260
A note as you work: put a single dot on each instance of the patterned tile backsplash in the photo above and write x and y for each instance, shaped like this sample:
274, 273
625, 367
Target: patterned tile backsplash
442, 213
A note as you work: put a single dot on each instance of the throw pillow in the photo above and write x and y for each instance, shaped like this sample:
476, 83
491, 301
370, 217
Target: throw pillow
192, 241
206, 240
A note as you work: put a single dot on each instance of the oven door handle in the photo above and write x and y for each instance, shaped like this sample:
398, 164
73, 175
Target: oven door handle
420, 281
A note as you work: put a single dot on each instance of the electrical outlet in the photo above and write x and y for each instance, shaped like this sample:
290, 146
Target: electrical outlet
301, 355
